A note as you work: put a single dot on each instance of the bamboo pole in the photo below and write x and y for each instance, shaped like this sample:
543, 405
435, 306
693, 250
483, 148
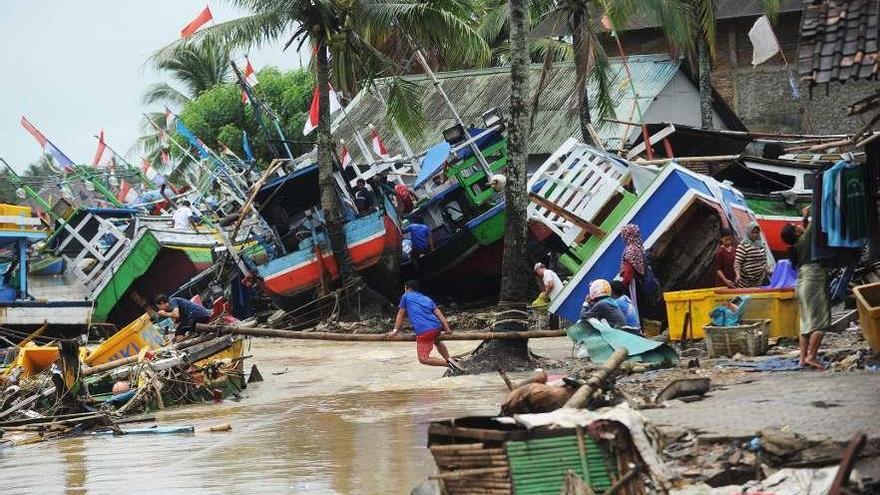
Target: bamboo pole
688, 159
586, 391
381, 337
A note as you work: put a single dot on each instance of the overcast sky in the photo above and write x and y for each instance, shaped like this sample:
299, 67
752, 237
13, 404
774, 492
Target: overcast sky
75, 67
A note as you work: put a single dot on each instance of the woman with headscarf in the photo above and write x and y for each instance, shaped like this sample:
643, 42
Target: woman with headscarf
600, 306
633, 264
750, 263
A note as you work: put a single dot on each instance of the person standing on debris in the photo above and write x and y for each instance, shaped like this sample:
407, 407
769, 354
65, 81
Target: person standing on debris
600, 306
363, 196
183, 217
406, 200
750, 263
725, 255
551, 286
185, 312
421, 240
427, 322
811, 293
635, 271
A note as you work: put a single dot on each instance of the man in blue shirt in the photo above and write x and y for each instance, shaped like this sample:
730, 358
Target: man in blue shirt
185, 312
427, 322
420, 236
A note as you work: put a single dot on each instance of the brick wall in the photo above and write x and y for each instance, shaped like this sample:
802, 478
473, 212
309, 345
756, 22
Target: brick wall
761, 96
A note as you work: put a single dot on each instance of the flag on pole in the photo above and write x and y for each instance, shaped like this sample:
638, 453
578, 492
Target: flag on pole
193, 140
126, 194
63, 161
246, 146
164, 157
196, 23
151, 173
250, 77
314, 110
99, 153
378, 145
346, 157
764, 43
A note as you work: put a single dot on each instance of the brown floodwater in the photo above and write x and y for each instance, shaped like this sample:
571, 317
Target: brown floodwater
330, 418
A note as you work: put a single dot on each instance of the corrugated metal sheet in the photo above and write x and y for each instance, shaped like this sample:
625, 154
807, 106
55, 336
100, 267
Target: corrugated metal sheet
474, 92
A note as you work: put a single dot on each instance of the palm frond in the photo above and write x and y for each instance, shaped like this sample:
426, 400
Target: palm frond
705, 19
164, 93
405, 107
600, 74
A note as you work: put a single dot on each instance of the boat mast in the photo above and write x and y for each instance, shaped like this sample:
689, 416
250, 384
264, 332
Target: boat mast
473, 145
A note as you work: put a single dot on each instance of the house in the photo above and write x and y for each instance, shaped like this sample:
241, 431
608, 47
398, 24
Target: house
816, 37
665, 94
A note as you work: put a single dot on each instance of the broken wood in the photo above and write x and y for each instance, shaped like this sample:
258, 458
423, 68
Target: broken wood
850, 456
583, 394
505, 378
380, 337
582, 223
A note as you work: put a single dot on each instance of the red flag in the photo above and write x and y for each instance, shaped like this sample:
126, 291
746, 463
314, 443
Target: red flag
378, 144
346, 157
250, 77
312, 121
196, 23
126, 194
163, 155
99, 153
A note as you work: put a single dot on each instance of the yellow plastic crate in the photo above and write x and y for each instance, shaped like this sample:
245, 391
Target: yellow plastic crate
777, 305
14, 211
699, 302
868, 298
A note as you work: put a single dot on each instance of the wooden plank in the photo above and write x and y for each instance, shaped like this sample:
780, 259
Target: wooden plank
590, 227
461, 432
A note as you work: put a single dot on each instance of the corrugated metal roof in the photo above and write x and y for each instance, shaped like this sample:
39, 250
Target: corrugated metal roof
474, 92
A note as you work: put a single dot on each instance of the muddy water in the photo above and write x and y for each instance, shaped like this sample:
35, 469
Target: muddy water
346, 418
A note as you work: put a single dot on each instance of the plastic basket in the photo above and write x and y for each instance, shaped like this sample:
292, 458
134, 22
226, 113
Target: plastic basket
749, 339
868, 300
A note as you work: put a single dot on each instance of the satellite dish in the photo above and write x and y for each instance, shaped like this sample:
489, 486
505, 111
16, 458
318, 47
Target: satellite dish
20, 193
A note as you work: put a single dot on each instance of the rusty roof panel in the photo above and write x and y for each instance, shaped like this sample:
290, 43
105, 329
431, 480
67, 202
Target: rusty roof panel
839, 40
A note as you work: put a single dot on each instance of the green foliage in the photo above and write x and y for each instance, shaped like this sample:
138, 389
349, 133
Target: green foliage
218, 116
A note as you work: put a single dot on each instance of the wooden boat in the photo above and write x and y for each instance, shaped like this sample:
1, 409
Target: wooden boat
48, 266
307, 260
776, 190
467, 219
129, 341
679, 213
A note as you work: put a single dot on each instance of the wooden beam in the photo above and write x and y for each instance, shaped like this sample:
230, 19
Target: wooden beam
588, 226
374, 337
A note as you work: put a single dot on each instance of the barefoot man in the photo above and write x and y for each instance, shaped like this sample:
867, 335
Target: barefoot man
428, 322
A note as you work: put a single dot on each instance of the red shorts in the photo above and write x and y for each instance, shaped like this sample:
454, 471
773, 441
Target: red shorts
425, 342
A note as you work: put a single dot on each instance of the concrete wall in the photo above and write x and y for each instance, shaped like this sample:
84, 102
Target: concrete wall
761, 96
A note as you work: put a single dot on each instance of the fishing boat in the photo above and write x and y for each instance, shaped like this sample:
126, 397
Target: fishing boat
776, 190
679, 213
304, 260
47, 266
465, 215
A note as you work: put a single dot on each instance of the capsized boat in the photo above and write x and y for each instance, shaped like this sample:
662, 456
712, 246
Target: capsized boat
304, 259
679, 212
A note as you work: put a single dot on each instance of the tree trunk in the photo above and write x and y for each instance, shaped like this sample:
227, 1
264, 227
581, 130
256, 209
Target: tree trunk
330, 202
705, 67
515, 270
581, 43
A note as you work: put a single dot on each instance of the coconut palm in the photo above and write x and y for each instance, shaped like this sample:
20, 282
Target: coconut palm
580, 18
702, 20
194, 67
351, 40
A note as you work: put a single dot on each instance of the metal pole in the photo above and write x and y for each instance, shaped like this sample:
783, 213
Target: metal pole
246, 88
473, 145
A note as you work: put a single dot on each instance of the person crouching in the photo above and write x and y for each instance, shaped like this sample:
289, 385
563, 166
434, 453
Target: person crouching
600, 306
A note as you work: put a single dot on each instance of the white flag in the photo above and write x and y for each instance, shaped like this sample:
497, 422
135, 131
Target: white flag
764, 42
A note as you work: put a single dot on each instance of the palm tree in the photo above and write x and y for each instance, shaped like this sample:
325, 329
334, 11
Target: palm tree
197, 67
194, 67
702, 20
348, 38
590, 59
